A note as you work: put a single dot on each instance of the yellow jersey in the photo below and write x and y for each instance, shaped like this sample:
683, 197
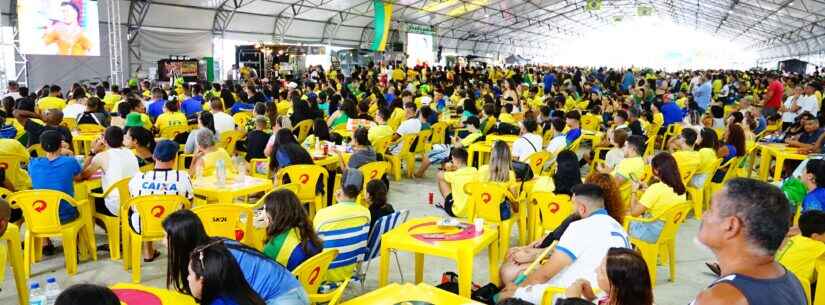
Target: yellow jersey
51, 102
170, 119
800, 254
660, 197
457, 179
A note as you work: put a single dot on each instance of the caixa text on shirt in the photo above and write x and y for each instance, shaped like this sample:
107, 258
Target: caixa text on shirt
159, 186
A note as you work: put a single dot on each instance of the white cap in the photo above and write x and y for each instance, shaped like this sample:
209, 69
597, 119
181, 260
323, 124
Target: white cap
292, 85
425, 100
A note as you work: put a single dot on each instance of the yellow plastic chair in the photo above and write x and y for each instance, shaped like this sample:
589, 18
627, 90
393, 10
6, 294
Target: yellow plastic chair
70, 123
40, 209
423, 143
395, 119
307, 177
232, 221
730, 173
547, 211
152, 210
311, 272
37, 149
551, 294
537, 160
241, 118
590, 122
90, 128
484, 201
697, 194
171, 132
112, 223
228, 140
336, 295
439, 133
256, 163
650, 148
303, 128
292, 187
673, 219
574, 147
15, 256
381, 145
405, 154
371, 171
672, 130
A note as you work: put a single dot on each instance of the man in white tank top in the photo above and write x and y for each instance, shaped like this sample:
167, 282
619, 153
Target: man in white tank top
116, 161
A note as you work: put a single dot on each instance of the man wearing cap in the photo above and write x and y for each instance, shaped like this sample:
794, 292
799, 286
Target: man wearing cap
339, 233
163, 180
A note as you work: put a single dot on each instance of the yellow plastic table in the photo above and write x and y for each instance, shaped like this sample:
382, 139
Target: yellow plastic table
594, 136
398, 294
82, 142
235, 186
457, 244
779, 151
167, 297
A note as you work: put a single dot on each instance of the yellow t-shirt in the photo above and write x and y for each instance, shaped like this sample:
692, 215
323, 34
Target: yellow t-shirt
706, 157
799, 255
341, 209
398, 75
659, 119
630, 166
506, 118
688, 161
484, 175
20, 178
51, 102
170, 119
210, 161
660, 197
378, 132
110, 99
457, 180
470, 138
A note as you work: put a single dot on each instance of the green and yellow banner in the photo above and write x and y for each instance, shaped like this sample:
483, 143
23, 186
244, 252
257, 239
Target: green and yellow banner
381, 23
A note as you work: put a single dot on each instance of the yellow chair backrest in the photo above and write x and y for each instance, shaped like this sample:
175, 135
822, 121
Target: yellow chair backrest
395, 119
381, 145
231, 221
303, 128
575, 145
122, 187
672, 218
228, 140
423, 143
537, 160
70, 123
729, 168
373, 170
171, 132
90, 128
153, 210
653, 131
306, 176
311, 272
550, 294
241, 118
406, 142
484, 200
259, 163
590, 122
37, 149
40, 209
10, 162
553, 209
5, 193
439, 132
491, 121
292, 187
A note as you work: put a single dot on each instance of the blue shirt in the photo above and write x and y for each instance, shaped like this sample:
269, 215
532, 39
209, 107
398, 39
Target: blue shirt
241, 106
572, 135
191, 106
8, 132
549, 80
155, 109
58, 175
815, 200
672, 113
224, 300
628, 81
701, 95
266, 277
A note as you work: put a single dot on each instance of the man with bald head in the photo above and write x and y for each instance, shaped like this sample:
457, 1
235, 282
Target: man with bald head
34, 127
744, 227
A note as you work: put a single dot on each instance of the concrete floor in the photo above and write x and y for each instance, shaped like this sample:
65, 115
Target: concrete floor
691, 274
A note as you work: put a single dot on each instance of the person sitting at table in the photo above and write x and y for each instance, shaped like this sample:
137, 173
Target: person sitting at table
798, 250
581, 249
814, 180
171, 117
256, 139
223, 121
208, 155
410, 125
622, 276
80, 294
423, 116
286, 151
440, 153
116, 161
94, 114
376, 197
343, 114
320, 132
657, 198
162, 180
334, 232
215, 278
809, 136
56, 171
142, 142
119, 120
381, 130
205, 123
290, 236
362, 152
455, 174
632, 167
304, 110
364, 111
734, 146
529, 142
559, 140
707, 144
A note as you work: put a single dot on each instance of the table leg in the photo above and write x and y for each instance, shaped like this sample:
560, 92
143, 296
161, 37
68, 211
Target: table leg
383, 265
764, 164
465, 273
419, 268
780, 164
494, 262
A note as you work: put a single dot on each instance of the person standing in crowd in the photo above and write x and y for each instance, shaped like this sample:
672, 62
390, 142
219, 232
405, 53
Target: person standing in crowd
773, 96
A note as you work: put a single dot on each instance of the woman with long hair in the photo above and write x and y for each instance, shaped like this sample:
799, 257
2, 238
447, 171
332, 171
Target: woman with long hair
215, 278
657, 198
143, 142
185, 232
707, 145
500, 167
567, 173
612, 195
343, 114
286, 151
291, 239
622, 275
376, 196
205, 122
734, 145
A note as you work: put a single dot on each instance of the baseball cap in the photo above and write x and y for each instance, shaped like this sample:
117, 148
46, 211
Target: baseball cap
165, 151
133, 120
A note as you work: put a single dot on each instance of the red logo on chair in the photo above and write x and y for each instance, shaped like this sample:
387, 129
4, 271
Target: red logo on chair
239, 234
553, 207
39, 206
313, 276
539, 161
304, 178
228, 140
486, 197
678, 216
4, 165
373, 173
157, 211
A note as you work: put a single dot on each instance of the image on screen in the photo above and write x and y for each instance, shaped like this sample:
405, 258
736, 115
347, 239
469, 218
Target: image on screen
420, 49
59, 27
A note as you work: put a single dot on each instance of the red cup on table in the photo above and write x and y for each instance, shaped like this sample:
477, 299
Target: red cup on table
430, 198
326, 149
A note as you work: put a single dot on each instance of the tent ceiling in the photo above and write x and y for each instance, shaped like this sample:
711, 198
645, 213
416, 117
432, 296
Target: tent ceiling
773, 27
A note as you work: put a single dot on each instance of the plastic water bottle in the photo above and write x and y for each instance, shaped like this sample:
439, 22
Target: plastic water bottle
36, 296
52, 290
220, 172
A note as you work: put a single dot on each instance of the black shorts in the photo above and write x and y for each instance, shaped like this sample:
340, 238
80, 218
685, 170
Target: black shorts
100, 205
448, 205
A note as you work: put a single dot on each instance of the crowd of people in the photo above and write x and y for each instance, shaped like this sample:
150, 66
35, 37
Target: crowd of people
145, 127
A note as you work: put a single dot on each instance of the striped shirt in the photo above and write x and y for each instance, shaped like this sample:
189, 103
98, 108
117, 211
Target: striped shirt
161, 182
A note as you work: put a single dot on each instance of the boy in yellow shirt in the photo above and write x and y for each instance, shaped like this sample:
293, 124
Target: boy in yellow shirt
456, 176
505, 116
170, 118
632, 167
53, 101
800, 253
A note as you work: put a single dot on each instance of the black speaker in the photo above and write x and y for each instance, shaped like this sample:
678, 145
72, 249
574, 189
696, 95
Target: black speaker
398, 47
